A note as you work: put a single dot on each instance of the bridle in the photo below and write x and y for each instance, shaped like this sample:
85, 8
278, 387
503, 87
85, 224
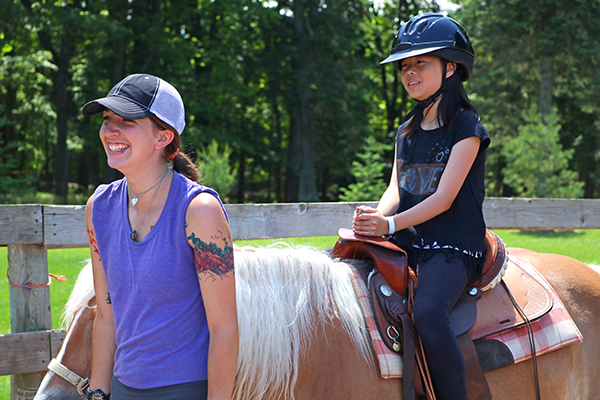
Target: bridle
81, 384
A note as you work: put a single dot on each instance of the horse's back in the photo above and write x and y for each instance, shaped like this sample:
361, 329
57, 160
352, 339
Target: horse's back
571, 372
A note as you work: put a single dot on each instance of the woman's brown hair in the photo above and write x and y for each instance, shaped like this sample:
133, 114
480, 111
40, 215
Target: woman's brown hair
181, 162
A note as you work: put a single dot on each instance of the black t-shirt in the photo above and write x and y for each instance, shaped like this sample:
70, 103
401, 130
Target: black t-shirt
420, 161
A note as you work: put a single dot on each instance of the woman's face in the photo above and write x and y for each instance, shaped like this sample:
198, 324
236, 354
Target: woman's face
126, 140
422, 75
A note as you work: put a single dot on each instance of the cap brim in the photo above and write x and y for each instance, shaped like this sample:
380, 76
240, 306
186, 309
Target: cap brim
120, 106
401, 55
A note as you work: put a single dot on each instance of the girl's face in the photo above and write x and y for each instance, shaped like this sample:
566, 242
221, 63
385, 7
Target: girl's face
422, 75
126, 140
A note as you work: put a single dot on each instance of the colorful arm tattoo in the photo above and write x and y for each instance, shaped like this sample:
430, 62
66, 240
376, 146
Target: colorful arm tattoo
93, 242
211, 258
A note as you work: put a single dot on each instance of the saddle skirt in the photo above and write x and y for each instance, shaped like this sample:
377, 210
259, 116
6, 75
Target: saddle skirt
498, 328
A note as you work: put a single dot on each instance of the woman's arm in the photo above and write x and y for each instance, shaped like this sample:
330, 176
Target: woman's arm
103, 335
459, 164
209, 236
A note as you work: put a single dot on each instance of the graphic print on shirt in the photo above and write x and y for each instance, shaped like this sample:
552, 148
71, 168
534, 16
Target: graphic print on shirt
419, 179
439, 154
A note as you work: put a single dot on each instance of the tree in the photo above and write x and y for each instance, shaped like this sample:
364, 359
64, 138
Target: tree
536, 53
215, 169
369, 173
537, 165
61, 45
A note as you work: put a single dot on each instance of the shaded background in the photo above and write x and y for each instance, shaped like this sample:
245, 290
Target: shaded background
286, 100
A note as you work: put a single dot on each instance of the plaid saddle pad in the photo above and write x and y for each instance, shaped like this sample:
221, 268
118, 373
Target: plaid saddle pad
552, 331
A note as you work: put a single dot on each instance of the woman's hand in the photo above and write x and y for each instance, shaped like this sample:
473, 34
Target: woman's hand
368, 221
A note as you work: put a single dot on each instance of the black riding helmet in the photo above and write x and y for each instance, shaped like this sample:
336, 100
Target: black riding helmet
434, 35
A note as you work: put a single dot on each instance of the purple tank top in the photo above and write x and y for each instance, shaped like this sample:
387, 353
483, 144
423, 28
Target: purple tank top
161, 329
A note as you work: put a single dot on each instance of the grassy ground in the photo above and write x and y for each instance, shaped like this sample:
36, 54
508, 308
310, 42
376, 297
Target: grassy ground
583, 245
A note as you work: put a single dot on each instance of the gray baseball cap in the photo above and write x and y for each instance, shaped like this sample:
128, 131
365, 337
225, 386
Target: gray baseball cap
140, 96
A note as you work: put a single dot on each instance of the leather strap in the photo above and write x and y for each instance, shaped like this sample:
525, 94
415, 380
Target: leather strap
425, 381
389, 309
531, 341
80, 383
477, 386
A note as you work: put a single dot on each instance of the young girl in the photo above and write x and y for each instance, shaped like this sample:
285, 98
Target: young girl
433, 205
162, 257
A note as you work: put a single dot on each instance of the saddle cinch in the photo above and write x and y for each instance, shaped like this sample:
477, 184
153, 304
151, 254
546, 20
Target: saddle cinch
484, 309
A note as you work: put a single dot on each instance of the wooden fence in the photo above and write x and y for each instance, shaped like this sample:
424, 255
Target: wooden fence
30, 230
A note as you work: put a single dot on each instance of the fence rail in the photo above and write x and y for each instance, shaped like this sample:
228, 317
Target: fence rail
30, 230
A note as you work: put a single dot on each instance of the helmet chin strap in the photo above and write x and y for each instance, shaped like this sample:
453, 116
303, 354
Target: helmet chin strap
417, 111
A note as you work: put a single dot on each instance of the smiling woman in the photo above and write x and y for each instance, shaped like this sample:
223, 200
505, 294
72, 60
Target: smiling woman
151, 231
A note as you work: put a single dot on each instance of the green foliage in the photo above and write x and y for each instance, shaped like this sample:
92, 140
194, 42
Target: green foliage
216, 172
513, 40
289, 86
536, 164
368, 173
11, 183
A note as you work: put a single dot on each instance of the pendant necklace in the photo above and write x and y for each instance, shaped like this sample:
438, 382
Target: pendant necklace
134, 233
134, 198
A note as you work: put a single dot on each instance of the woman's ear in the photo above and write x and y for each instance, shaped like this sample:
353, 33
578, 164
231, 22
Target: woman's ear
450, 69
165, 137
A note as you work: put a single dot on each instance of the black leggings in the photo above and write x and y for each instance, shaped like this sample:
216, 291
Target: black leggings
183, 391
441, 282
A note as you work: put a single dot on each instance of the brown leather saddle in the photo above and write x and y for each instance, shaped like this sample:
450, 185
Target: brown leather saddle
485, 307
390, 260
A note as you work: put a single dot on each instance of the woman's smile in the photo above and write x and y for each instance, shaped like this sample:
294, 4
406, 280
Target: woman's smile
117, 147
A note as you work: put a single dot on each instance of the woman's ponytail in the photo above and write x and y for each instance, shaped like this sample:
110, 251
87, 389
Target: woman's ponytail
185, 166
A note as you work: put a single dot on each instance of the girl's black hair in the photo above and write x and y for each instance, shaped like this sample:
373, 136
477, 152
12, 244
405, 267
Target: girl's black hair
454, 98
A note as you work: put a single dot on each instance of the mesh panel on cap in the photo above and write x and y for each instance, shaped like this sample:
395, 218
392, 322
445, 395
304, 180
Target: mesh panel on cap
168, 106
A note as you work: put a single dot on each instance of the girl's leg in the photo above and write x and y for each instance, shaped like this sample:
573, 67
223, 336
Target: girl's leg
440, 285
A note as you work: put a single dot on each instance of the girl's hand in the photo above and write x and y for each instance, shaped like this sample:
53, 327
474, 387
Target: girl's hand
368, 221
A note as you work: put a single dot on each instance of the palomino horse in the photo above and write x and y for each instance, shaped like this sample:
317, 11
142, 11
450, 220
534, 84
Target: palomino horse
302, 333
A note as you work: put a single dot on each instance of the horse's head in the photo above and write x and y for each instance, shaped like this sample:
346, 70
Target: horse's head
75, 356
74, 360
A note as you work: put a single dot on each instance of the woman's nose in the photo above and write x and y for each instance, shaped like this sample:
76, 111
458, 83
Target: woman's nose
110, 128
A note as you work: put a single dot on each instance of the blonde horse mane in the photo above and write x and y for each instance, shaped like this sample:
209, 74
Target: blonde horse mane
282, 295
82, 293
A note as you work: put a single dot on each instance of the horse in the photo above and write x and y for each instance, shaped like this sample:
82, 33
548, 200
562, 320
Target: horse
303, 335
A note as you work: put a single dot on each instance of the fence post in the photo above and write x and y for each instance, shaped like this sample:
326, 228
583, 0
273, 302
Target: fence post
29, 308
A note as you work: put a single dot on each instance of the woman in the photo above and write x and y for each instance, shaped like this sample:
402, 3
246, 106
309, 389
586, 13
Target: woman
162, 256
432, 207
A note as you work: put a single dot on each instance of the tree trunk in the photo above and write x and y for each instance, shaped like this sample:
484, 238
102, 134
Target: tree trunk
62, 98
277, 167
301, 183
546, 78
8, 133
241, 176
62, 95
